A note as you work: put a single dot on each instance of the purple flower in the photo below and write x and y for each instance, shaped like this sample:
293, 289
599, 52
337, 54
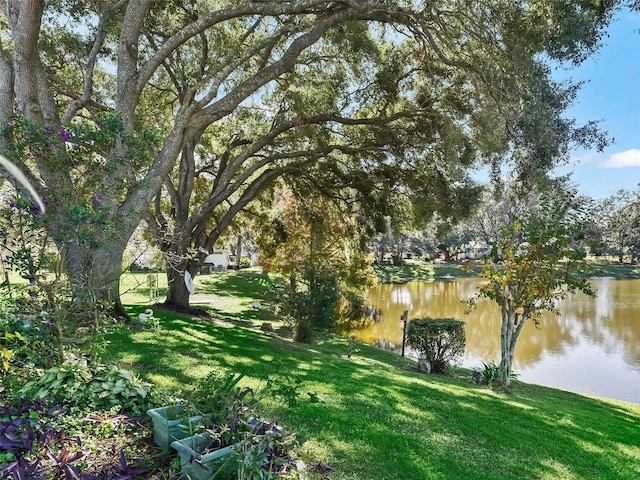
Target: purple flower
13, 204
97, 200
48, 131
64, 135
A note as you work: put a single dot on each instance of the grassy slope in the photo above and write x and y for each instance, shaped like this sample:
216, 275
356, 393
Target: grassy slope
378, 418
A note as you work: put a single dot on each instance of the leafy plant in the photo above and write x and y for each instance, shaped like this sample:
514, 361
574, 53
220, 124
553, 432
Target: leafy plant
490, 373
23, 431
287, 391
118, 386
283, 387
62, 463
100, 386
265, 454
219, 394
35, 444
261, 449
438, 340
23, 468
25, 339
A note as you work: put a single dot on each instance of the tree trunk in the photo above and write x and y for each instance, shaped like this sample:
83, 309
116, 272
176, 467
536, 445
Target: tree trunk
95, 274
238, 251
506, 362
506, 345
446, 253
512, 323
178, 294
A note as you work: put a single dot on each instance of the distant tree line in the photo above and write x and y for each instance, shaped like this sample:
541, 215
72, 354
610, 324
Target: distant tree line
611, 230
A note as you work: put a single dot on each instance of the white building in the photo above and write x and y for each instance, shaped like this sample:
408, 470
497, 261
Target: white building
217, 260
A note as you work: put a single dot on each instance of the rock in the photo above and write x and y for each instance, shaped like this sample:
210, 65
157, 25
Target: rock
477, 376
424, 366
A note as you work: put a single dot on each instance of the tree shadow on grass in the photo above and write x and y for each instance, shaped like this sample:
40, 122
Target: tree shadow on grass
242, 284
376, 418
445, 429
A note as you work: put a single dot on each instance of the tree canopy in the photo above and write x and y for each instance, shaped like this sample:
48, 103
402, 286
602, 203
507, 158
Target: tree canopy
137, 85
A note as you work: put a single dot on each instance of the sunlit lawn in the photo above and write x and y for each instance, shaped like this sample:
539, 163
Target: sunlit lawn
380, 419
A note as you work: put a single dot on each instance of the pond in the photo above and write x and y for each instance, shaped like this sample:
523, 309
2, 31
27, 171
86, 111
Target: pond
592, 347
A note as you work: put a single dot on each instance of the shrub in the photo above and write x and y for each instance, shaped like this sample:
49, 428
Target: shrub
438, 340
26, 334
490, 373
314, 308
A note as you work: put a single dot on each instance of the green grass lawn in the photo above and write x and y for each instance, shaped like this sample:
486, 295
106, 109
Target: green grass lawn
380, 419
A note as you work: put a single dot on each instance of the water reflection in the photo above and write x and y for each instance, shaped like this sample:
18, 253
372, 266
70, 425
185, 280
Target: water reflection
592, 347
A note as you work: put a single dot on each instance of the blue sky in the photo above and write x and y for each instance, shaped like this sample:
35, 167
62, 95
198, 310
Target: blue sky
611, 94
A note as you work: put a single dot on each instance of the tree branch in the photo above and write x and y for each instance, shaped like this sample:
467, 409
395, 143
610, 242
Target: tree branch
101, 33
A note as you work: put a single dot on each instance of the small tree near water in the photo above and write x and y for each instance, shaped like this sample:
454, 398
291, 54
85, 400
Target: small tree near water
437, 340
540, 264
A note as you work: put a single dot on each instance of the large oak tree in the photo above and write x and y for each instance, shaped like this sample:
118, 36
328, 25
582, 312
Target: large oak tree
98, 69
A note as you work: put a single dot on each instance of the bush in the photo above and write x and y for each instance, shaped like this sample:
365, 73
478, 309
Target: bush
438, 340
316, 307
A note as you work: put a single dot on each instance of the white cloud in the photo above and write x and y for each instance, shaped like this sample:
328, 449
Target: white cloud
626, 159
585, 159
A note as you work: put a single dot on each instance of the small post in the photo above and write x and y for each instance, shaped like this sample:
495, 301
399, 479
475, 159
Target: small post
403, 319
152, 283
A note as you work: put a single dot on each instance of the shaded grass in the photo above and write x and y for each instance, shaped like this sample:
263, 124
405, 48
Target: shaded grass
615, 269
225, 294
380, 419
413, 269
420, 270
